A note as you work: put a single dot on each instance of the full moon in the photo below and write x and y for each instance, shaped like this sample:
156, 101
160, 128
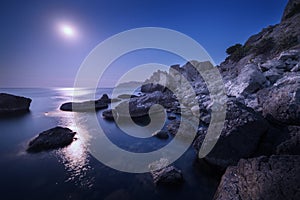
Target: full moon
67, 30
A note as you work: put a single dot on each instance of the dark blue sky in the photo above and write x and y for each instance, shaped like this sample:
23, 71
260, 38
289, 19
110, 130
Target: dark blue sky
34, 54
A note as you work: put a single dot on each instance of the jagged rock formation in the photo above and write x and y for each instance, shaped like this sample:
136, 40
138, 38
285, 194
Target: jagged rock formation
276, 177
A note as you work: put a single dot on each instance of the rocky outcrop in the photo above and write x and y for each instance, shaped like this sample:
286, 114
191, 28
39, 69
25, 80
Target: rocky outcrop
291, 9
282, 101
140, 106
276, 177
240, 137
11, 104
54, 138
87, 105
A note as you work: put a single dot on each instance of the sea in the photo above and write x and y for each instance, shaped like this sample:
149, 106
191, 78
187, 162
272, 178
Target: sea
73, 172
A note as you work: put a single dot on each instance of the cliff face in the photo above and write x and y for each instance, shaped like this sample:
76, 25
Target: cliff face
262, 82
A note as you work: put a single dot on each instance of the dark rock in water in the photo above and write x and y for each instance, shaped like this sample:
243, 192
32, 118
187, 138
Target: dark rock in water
161, 134
54, 138
83, 106
240, 137
87, 105
140, 106
109, 114
276, 177
104, 99
11, 104
127, 96
281, 102
292, 145
167, 176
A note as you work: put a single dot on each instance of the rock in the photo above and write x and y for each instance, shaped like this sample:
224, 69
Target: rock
161, 134
296, 68
276, 177
11, 104
292, 145
83, 106
249, 81
127, 96
140, 106
169, 176
104, 99
273, 75
195, 110
291, 9
240, 137
290, 54
271, 64
86, 106
171, 116
54, 138
281, 102
173, 127
151, 87
108, 114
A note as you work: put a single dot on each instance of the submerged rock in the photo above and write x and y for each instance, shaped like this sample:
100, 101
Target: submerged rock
11, 104
54, 138
276, 177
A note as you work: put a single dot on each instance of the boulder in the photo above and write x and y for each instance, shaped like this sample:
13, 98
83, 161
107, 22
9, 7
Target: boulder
281, 102
240, 137
11, 104
168, 176
54, 138
276, 177
249, 81
109, 114
290, 146
161, 134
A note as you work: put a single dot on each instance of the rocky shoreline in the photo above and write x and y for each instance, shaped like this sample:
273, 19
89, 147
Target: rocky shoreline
258, 150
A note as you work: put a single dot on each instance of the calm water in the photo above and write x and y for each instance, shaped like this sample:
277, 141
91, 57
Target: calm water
72, 172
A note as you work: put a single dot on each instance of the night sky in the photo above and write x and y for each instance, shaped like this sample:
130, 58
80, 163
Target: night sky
43, 43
